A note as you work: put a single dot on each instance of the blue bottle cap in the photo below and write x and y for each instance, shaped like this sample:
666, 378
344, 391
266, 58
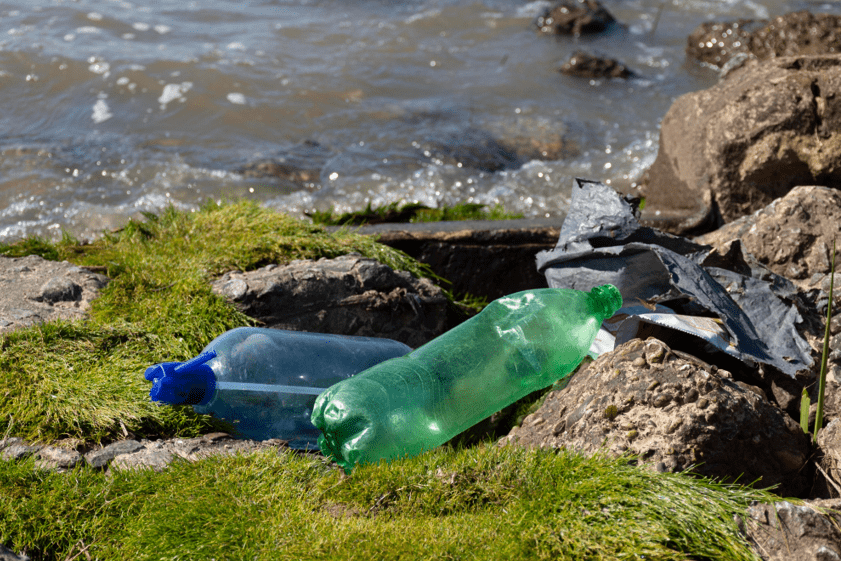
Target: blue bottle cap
183, 383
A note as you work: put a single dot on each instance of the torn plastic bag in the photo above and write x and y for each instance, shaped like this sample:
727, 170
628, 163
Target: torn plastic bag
745, 311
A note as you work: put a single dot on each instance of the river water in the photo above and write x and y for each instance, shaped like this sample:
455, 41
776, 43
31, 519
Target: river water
113, 107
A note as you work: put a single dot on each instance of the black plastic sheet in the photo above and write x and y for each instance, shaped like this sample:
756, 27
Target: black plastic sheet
602, 241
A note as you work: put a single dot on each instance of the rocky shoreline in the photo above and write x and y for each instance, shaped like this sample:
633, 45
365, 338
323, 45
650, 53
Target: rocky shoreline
746, 166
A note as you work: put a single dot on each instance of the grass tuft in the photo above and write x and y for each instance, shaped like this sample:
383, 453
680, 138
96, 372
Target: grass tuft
477, 503
85, 379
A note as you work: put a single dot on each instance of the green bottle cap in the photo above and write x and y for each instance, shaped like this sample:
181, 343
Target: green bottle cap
605, 300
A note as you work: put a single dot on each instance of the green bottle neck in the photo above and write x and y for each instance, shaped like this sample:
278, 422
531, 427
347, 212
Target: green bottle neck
604, 301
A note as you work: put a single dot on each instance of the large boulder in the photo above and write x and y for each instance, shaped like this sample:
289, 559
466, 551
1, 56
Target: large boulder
732, 149
673, 412
348, 295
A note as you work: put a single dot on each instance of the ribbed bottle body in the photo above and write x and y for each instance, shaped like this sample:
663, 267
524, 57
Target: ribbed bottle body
516, 345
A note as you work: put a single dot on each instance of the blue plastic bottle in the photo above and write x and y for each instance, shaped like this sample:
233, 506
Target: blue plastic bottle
265, 381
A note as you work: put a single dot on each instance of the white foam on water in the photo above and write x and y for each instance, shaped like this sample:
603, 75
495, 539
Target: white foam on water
101, 111
236, 98
174, 92
100, 67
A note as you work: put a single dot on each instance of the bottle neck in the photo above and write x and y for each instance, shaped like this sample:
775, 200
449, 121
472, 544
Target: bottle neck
604, 301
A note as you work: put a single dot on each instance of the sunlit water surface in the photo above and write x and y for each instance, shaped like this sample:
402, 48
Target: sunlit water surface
111, 108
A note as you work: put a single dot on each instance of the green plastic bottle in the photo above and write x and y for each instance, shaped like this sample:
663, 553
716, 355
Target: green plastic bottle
516, 345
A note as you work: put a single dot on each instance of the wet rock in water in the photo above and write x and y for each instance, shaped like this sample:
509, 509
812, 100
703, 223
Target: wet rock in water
788, 532
798, 33
732, 149
793, 34
574, 17
716, 43
474, 149
36, 290
535, 138
300, 165
585, 65
673, 412
349, 295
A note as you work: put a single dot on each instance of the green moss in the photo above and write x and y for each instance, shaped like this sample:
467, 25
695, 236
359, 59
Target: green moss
610, 412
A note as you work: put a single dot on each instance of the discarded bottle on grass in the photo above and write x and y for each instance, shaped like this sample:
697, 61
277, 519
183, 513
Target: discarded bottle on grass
516, 345
265, 381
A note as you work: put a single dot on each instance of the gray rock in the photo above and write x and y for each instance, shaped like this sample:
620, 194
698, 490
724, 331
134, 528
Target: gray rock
673, 413
6, 442
829, 442
53, 457
59, 289
349, 295
7, 554
716, 43
151, 458
728, 151
806, 218
18, 451
788, 532
100, 458
35, 290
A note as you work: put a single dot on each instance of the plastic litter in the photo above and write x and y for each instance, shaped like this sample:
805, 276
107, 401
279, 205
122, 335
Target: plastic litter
730, 303
517, 344
265, 381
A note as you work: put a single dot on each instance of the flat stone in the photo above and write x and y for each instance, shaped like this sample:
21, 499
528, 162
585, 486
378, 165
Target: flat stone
348, 295
18, 451
36, 290
53, 457
146, 458
470, 252
100, 458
